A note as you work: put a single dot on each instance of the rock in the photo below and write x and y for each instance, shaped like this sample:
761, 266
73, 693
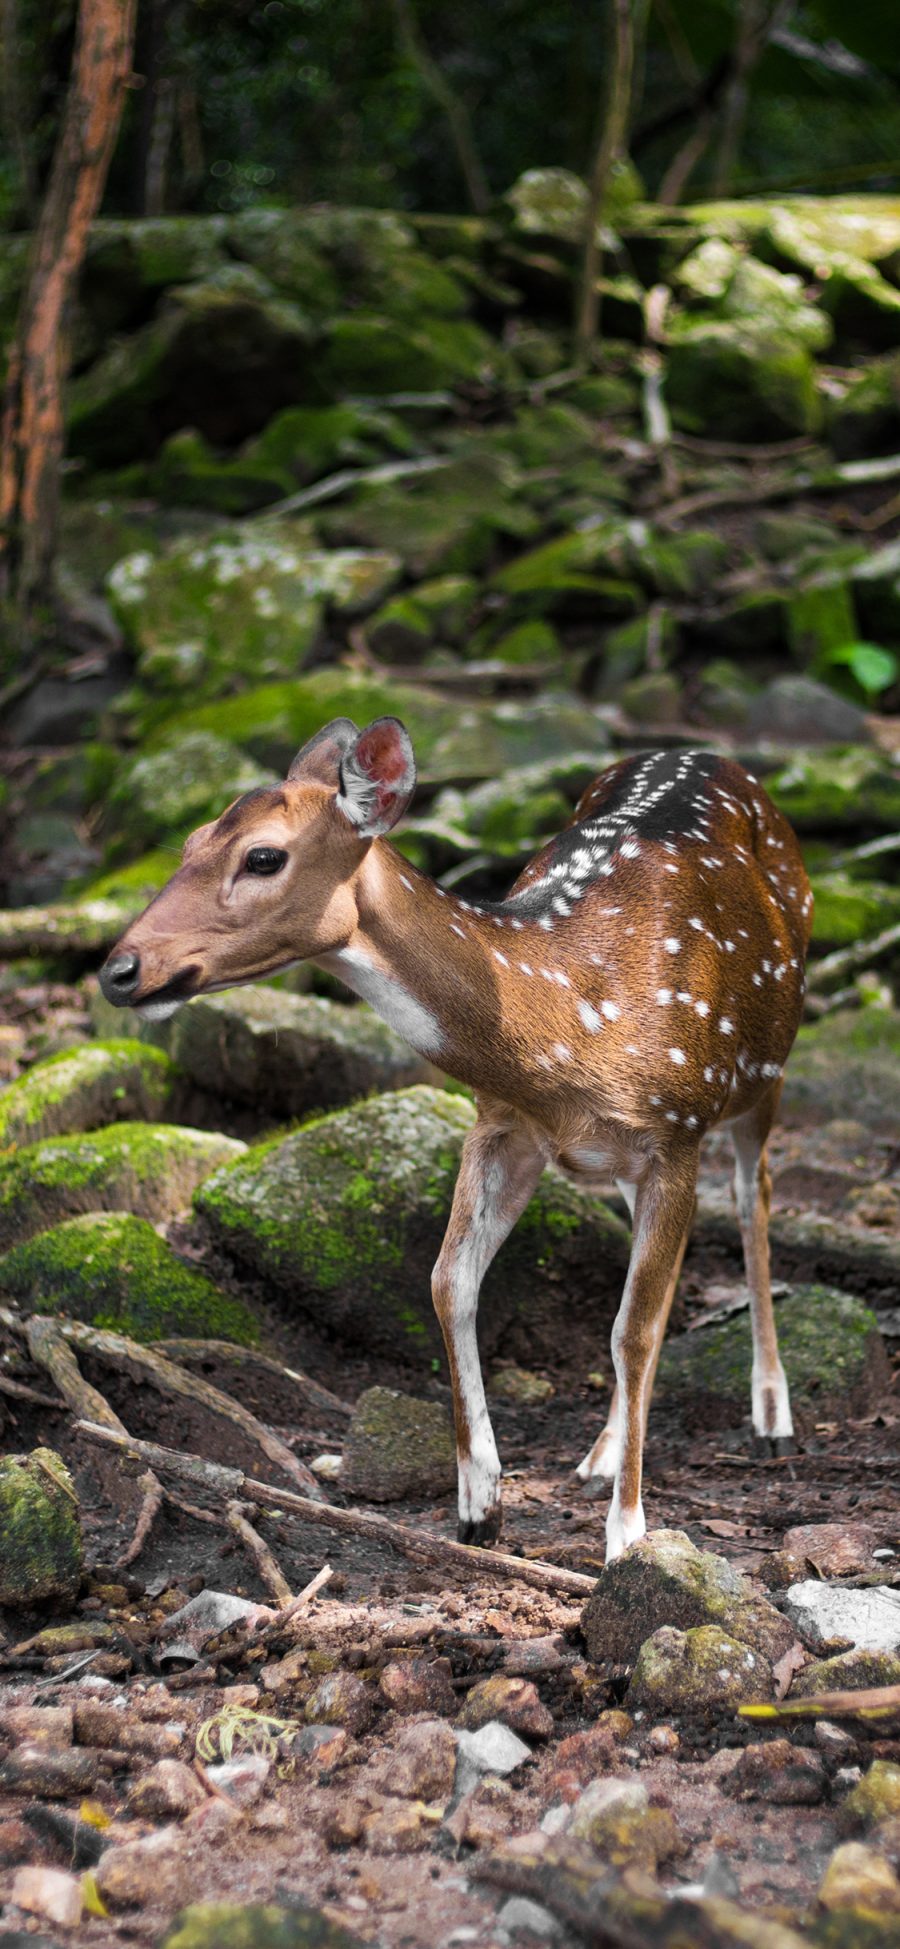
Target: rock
701, 1671
531, 1918
870, 1618
849, 1057
245, 603
514, 1701
798, 710
397, 1827
169, 1791
845, 787
492, 1749
865, 421
739, 381
549, 203
830, 1344
33, 1772
164, 794
49, 1892
848, 910
779, 1773
145, 1168
245, 1779
513, 814
664, 1580
831, 1549
305, 442
286, 1054
78, 1089
340, 1699
849, 1671
517, 1384
113, 1270
128, 259
368, 353
346, 1218
225, 1925
205, 1615
656, 698
615, 1817
448, 520
419, 1685
858, 1877
41, 1550
579, 573
397, 1446
420, 1763
875, 1798
156, 1869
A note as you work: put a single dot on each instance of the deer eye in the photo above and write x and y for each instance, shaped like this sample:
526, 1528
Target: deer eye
264, 859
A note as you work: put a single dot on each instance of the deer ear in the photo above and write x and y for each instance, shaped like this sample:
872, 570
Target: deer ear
378, 777
320, 759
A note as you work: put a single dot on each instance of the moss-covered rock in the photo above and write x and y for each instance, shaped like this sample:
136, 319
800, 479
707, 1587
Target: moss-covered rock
664, 1580
129, 261
844, 787
617, 1821
41, 1551
850, 910
400, 630
304, 442
876, 1797
270, 721
549, 203
166, 793
189, 473
584, 569
149, 1169
866, 419
850, 1058
243, 605
367, 352
448, 520
79, 1089
535, 643
345, 1219
728, 379
876, 592
850, 1671
278, 244
110, 1269
859, 1878
510, 815
226, 1925
703, 1671
397, 1446
830, 1344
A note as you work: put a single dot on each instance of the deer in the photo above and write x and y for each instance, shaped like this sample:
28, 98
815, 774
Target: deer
641, 983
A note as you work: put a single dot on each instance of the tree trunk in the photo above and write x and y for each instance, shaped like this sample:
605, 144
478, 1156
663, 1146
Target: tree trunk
611, 145
39, 359
454, 107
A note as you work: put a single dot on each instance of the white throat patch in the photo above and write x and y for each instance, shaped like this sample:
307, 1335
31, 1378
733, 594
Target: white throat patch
388, 997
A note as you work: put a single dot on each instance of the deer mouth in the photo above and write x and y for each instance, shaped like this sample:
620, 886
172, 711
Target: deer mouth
163, 1001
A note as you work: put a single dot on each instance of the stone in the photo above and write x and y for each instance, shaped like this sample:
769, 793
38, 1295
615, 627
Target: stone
397, 1827
246, 1778
875, 1798
79, 1089
346, 1218
849, 1057
549, 203
148, 1169
41, 1549
702, 1671
736, 381
520, 1913
165, 794
616, 1818
517, 1384
366, 352
848, 1671
397, 1446
157, 1869
779, 1773
340, 1699
865, 420
655, 698
830, 1345
50, 1892
419, 1685
288, 1055
831, 1549
858, 1877
798, 710
584, 572
849, 910
448, 519
664, 1580
492, 1749
870, 1618
420, 1763
112, 1270
227, 1925
514, 1701
168, 1791
847, 787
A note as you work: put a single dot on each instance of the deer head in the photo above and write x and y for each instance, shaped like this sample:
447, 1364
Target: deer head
272, 881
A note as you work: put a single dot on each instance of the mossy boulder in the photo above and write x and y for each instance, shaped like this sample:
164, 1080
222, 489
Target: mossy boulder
149, 1169
703, 1671
370, 353
397, 1446
245, 604
841, 786
345, 1219
510, 816
875, 1797
731, 380
832, 1351
304, 442
851, 1058
616, 1820
79, 1089
278, 244
41, 1551
166, 793
129, 261
866, 420
534, 642
849, 1671
850, 910
112, 1270
287, 1055
226, 1925
190, 473
549, 203
665, 1581
270, 721
451, 519
586, 570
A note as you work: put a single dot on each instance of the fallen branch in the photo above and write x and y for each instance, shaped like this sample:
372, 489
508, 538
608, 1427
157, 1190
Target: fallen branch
887, 842
267, 1565
334, 485
872, 1702
826, 480
848, 960
225, 1353
429, 1551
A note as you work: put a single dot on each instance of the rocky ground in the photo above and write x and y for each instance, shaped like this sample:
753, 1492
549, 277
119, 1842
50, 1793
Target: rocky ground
335, 461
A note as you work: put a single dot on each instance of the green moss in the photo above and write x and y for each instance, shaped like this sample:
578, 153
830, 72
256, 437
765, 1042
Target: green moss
113, 1270
98, 1083
135, 883
825, 1338
842, 786
271, 720
223, 1925
149, 1169
41, 1553
740, 382
847, 910
166, 793
821, 618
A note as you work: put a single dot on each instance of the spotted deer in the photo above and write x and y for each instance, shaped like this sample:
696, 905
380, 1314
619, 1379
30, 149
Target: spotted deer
641, 983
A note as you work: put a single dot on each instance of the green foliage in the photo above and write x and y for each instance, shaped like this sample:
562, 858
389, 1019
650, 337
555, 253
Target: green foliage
859, 669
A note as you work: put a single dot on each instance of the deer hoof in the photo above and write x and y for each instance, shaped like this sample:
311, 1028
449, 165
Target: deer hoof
484, 1532
771, 1447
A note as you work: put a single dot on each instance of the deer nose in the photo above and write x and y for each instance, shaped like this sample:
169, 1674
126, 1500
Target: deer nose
119, 977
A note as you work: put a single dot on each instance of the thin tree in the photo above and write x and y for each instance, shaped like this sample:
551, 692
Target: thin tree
458, 118
611, 147
32, 443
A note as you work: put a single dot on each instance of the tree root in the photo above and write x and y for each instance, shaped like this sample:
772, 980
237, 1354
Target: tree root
225, 1353
270, 1571
422, 1548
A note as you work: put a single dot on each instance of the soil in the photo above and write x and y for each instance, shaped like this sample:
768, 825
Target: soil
710, 1483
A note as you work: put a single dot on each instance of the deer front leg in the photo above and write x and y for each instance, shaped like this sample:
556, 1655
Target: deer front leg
753, 1191
663, 1213
498, 1173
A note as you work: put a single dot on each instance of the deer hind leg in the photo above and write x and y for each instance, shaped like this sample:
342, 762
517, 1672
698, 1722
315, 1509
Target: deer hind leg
601, 1461
753, 1190
499, 1170
663, 1213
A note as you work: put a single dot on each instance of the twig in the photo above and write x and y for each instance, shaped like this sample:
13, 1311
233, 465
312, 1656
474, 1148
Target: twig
225, 1353
827, 480
888, 842
334, 485
20, 1392
418, 1545
846, 960
269, 1570
305, 1596
870, 1702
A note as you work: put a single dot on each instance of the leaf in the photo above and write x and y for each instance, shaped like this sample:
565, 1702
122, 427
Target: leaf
94, 1815
793, 1660
873, 668
91, 1896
